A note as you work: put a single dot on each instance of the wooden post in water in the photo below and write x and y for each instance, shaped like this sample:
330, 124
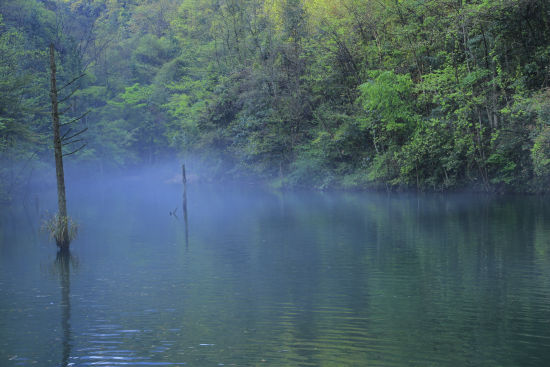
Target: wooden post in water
184, 180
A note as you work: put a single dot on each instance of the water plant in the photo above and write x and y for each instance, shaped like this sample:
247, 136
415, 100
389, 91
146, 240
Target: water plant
62, 229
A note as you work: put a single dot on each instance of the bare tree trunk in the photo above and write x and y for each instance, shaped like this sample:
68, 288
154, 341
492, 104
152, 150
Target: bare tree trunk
63, 239
184, 180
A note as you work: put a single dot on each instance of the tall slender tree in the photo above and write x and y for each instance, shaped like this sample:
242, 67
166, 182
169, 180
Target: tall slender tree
63, 230
62, 238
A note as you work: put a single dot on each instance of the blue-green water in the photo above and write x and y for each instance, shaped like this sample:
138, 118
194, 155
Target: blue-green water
271, 279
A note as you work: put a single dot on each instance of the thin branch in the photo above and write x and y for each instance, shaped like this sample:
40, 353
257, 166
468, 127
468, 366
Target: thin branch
76, 119
65, 110
64, 135
89, 38
98, 51
69, 96
71, 82
72, 142
74, 135
40, 111
74, 151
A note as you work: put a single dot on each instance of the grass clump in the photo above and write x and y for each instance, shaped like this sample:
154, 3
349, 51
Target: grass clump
61, 229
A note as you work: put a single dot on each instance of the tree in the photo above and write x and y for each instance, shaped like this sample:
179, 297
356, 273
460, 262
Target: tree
64, 230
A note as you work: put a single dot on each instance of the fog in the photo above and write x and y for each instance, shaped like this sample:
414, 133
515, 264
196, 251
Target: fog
291, 277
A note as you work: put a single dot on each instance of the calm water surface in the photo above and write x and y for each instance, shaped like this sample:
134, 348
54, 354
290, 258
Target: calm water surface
271, 279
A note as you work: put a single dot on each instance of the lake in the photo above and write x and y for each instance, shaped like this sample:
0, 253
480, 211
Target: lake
276, 279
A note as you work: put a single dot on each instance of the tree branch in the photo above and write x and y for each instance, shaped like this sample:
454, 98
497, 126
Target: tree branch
63, 138
64, 135
65, 110
69, 96
71, 82
72, 142
76, 119
74, 151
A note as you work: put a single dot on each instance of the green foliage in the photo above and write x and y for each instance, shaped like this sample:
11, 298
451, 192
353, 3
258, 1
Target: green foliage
21, 123
431, 159
384, 169
387, 97
540, 150
541, 153
431, 95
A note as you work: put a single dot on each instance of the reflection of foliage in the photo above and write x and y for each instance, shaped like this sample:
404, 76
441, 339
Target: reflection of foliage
454, 259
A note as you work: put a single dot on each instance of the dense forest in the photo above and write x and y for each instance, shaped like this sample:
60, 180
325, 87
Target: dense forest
394, 94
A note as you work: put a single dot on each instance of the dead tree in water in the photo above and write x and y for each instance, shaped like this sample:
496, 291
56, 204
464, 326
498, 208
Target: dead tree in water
62, 231
184, 180
62, 222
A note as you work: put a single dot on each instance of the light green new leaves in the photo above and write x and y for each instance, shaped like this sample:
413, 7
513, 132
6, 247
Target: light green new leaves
387, 98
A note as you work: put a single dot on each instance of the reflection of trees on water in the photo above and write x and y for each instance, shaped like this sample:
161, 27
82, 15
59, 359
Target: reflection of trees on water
63, 263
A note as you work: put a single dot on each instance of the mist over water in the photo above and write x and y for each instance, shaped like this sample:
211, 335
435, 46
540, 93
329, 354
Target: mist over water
273, 278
